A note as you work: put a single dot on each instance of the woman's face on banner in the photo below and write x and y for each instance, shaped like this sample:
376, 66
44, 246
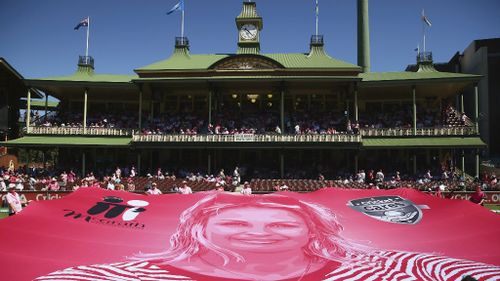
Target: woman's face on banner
258, 230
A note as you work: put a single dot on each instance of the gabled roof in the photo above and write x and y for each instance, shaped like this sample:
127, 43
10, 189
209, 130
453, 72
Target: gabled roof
184, 61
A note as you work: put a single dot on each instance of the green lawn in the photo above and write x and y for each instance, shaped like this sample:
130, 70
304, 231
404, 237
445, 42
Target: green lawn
493, 207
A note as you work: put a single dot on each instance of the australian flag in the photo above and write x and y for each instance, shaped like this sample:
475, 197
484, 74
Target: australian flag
84, 22
177, 7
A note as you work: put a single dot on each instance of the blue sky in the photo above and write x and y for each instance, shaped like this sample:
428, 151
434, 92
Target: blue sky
38, 39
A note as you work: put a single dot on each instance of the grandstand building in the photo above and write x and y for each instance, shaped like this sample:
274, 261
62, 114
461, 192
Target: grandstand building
273, 114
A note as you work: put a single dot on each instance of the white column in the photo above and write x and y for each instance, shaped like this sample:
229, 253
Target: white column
282, 110
356, 113
477, 163
85, 111
414, 93
476, 107
210, 107
28, 112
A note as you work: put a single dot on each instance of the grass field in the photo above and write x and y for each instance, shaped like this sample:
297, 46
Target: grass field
493, 207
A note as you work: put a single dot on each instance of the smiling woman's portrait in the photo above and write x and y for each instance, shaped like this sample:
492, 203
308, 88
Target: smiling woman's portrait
270, 237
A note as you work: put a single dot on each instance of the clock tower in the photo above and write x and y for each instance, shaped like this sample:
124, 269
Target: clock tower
249, 25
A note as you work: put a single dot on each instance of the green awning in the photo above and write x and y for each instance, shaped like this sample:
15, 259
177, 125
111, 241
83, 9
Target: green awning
449, 142
44, 141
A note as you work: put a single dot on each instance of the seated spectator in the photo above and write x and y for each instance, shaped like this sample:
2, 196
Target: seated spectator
284, 187
130, 185
247, 190
53, 185
185, 189
478, 197
154, 190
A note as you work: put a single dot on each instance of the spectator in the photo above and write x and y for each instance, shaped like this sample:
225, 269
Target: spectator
53, 185
284, 187
3, 186
478, 197
154, 190
185, 189
247, 190
219, 187
130, 185
379, 177
14, 202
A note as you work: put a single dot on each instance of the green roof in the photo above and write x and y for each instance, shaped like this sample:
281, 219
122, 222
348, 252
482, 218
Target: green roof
67, 141
409, 75
310, 61
184, 62
181, 61
422, 142
80, 76
248, 77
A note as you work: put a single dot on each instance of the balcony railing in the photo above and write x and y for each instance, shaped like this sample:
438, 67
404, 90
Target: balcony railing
181, 42
424, 57
86, 61
317, 40
67, 131
407, 132
137, 137
343, 138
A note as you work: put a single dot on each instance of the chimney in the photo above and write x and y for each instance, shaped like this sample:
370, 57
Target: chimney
363, 36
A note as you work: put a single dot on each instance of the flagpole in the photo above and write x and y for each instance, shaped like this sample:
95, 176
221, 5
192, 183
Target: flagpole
182, 20
317, 17
423, 28
87, 48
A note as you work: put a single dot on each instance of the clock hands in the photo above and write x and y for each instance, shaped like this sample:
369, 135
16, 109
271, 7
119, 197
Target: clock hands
247, 31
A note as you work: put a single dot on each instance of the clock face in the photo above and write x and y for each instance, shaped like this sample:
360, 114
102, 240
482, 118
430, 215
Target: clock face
248, 32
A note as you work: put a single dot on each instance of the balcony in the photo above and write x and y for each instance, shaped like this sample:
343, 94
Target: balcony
249, 138
69, 131
408, 132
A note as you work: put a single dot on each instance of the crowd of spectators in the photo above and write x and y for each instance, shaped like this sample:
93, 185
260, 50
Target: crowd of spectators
403, 118
126, 178
94, 120
263, 122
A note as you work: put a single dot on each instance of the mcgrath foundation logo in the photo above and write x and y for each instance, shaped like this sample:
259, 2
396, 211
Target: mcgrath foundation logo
113, 211
393, 209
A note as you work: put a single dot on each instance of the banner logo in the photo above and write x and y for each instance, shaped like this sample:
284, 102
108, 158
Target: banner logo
108, 212
393, 209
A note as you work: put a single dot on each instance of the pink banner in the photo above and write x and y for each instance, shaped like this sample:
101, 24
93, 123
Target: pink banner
330, 234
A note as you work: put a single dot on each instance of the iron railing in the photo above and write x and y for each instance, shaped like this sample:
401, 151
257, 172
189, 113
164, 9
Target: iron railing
344, 138
404, 132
